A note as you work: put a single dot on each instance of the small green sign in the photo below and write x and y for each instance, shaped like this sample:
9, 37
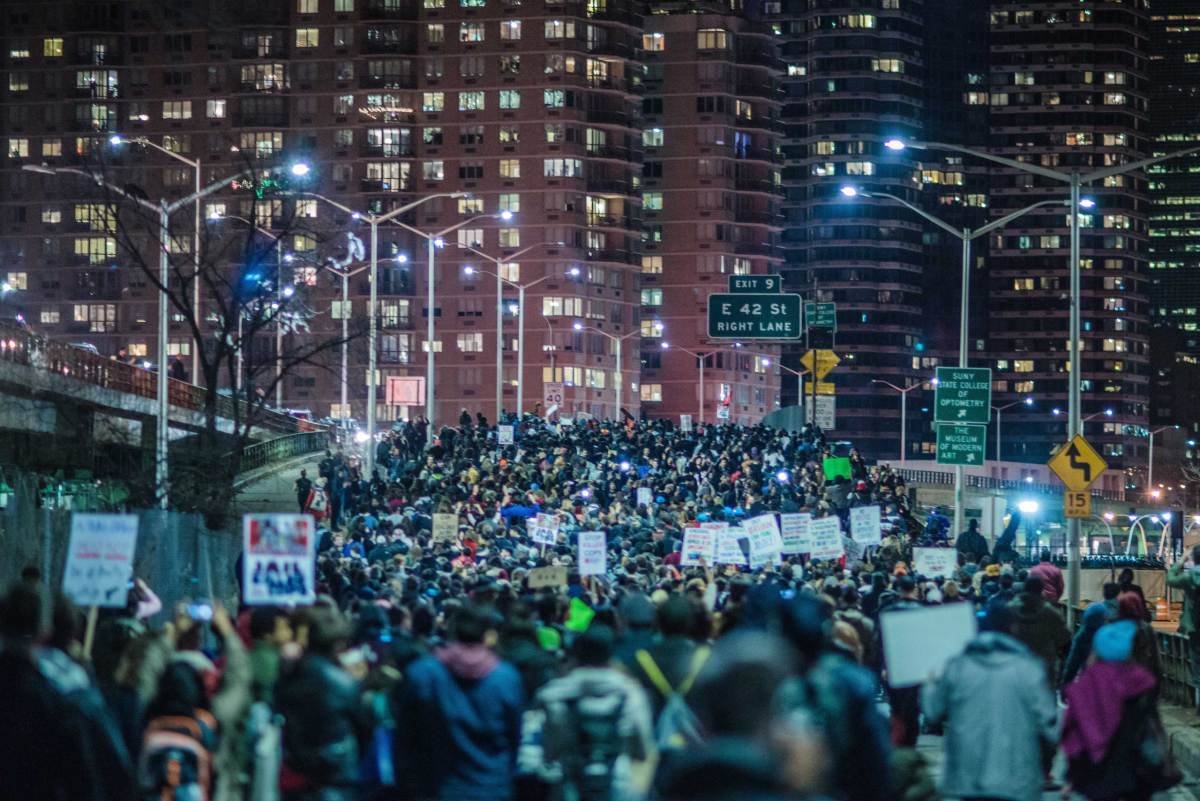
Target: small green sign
745, 316
836, 466
964, 395
961, 444
755, 283
821, 315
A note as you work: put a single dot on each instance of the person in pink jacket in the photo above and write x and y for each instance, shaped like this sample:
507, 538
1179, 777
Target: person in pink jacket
1051, 576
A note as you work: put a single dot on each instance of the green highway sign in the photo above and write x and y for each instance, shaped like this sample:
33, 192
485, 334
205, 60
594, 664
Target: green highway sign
961, 444
821, 315
756, 283
963, 395
744, 316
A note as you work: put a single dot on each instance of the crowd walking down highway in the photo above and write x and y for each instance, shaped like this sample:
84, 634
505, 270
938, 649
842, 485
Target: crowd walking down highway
599, 611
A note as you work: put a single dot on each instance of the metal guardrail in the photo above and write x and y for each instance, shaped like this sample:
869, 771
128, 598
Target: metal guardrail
912, 476
1175, 654
281, 449
1177, 687
20, 346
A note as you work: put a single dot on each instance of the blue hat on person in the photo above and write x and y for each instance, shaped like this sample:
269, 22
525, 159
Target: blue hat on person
1114, 642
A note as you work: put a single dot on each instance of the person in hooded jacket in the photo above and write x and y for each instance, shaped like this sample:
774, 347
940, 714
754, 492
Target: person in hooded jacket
1110, 710
1040, 626
459, 716
970, 544
1094, 616
999, 713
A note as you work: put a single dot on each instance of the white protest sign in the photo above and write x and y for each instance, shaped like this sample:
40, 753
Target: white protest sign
864, 525
100, 559
445, 526
729, 547
765, 543
919, 642
504, 435
645, 496
934, 562
593, 553
794, 531
699, 543
545, 530
278, 559
825, 537
685, 423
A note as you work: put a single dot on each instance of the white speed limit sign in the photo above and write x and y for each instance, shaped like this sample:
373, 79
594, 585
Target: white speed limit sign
553, 394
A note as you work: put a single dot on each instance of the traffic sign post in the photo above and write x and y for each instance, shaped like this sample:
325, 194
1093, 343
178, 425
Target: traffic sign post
825, 412
1077, 464
961, 444
753, 316
820, 362
739, 284
963, 395
821, 315
1077, 504
552, 396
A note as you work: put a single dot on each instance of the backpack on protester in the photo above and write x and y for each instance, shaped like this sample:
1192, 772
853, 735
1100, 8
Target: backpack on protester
177, 756
677, 726
583, 735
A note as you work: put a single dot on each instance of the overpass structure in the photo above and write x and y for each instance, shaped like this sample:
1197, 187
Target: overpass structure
59, 402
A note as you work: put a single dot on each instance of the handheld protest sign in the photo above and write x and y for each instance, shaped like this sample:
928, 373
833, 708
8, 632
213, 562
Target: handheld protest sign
100, 559
278, 560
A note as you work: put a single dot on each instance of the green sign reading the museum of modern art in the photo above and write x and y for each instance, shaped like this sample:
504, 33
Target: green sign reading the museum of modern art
961, 444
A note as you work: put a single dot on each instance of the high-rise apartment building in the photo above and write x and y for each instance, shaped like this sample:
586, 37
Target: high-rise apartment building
1174, 186
854, 78
531, 108
710, 195
1069, 91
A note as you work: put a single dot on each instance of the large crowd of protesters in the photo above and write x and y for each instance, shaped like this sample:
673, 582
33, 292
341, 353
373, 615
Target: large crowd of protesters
429, 670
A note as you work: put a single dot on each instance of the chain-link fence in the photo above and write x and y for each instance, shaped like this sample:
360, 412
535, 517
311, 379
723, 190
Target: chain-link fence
176, 555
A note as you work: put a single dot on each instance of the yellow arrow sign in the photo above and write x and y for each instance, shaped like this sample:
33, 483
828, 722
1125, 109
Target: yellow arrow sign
820, 362
1077, 464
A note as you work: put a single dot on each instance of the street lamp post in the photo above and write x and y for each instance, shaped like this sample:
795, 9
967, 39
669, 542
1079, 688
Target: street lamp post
967, 235
800, 374
617, 341
345, 276
164, 211
117, 139
1150, 462
903, 412
374, 220
500, 282
999, 410
702, 357
432, 243
1074, 180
